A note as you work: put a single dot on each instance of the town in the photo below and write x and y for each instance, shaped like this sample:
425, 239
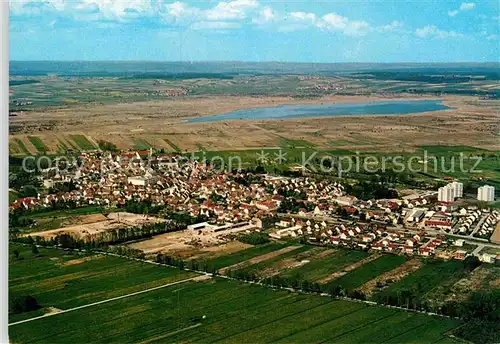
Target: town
424, 223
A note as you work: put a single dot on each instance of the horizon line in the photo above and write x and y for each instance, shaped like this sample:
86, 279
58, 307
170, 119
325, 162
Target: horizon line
249, 61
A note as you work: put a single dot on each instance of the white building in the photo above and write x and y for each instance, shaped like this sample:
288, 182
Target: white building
486, 193
458, 188
139, 181
446, 193
449, 192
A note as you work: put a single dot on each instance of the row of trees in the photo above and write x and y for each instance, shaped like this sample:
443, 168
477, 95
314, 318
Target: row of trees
181, 264
142, 207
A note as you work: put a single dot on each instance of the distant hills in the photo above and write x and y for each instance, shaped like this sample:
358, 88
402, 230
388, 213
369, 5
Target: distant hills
150, 69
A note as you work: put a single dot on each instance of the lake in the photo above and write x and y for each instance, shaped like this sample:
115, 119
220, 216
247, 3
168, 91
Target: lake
326, 110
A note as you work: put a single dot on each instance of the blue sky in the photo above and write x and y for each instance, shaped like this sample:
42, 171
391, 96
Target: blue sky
253, 30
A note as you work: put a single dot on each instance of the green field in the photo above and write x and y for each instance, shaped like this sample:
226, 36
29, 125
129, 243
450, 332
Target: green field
430, 276
39, 145
357, 277
269, 263
235, 313
173, 145
318, 269
238, 257
141, 144
82, 142
64, 280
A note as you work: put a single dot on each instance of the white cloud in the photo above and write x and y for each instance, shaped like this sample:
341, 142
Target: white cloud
465, 6
181, 10
303, 17
265, 15
336, 22
237, 9
116, 10
214, 25
34, 7
394, 25
431, 31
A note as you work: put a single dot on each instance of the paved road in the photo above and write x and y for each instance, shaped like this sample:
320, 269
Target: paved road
477, 250
106, 301
480, 222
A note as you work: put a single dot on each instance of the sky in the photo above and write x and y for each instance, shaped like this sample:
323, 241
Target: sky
256, 30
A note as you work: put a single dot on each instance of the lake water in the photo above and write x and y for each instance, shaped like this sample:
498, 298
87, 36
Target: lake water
325, 110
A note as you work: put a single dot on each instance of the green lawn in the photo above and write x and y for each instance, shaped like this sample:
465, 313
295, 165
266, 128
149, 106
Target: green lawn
357, 277
235, 313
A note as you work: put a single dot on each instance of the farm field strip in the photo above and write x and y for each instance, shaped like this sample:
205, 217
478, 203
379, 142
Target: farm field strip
260, 268
357, 277
348, 268
428, 277
141, 144
22, 146
317, 269
173, 145
262, 258
38, 144
240, 256
395, 275
82, 142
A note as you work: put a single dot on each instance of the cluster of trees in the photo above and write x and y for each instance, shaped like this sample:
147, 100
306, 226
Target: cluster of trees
142, 207
181, 264
125, 251
107, 146
247, 179
24, 303
292, 193
258, 169
218, 199
367, 190
254, 238
62, 187
183, 219
293, 206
